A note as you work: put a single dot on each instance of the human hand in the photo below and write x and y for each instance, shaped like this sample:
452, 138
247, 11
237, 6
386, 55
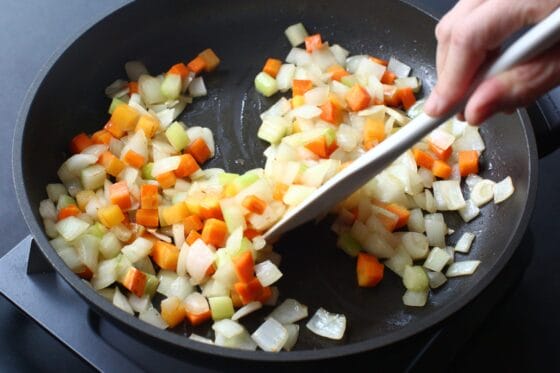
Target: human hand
468, 37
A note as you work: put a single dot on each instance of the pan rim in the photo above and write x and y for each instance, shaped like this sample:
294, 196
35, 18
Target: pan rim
133, 323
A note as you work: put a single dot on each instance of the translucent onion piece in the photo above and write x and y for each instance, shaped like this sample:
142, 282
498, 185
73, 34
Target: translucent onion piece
464, 268
437, 279
289, 312
293, 334
437, 259
120, 301
464, 243
228, 328
415, 298
198, 338
482, 192
196, 303
503, 190
153, 317
398, 68
246, 310
328, 325
296, 34
270, 336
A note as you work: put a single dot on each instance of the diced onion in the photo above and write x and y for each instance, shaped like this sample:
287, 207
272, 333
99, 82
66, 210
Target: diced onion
316, 96
293, 334
196, 303
165, 165
228, 328
469, 212
399, 261
150, 90
482, 192
435, 229
416, 244
464, 268
197, 87
296, 34
198, 338
139, 304
328, 325
289, 312
436, 279
437, 259
246, 310
464, 243
503, 190
448, 195
47, 209
415, 298
306, 112
153, 317
54, 191
120, 301
270, 336
398, 68
71, 228
199, 258
241, 341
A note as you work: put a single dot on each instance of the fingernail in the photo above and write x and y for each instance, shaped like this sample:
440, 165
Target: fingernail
433, 105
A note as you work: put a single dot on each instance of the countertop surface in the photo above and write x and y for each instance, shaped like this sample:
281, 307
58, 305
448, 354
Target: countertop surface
520, 334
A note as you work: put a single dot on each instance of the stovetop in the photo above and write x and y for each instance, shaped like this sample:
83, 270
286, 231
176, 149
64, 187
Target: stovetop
514, 321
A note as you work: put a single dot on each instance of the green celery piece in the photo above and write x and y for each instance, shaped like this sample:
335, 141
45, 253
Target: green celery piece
65, 201
271, 132
177, 136
265, 84
246, 244
114, 103
171, 86
330, 136
349, 80
225, 178
98, 230
147, 171
221, 307
349, 244
152, 284
245, 180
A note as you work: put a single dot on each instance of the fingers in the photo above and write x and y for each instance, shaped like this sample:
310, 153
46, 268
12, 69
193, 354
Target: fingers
472, 38
515, 88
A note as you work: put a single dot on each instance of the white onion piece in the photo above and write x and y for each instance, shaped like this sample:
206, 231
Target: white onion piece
117, 89
293, 334
415, 298
199, 258
50, 228
137, 143
398, 68
289, 312
316, 96
228, 328
95, 149
150, 90
241, 341
483, 192
472, 180
270, 336
448, 195
367, 68
205, 134
464, 243
436, 279
259, 243
273, 297
71, 258
165, 165
198, 338
298, 57
47, 209
54, 191
138, 250
116, 146
399, 261
416, 244
353, 62
296, 34
437, 259
74, 165
178, 234
139, 304
285, 76
120, 301
323, 57
197, 87
441, 138
196, 303
503, 190
470, 140
135, 69
328, 325
347, 137
411, 82
153, 317
340, 54
435, 229
306, 112
71, 228
296, 194
280, 108
470, 211
246, 310
464, 268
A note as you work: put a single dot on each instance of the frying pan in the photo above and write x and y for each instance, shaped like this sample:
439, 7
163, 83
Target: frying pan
67, 98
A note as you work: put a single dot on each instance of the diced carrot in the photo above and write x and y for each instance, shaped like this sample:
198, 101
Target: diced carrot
251, 233
379, 61
132, 87
113, 129
135, 281
423, 159
254, 204
300, 86
244, 266
79, 143
211, 61
149, 196
179, 69
468, 162
373, 133
198, 318
331, 112
388, 77
70, 210
199, 150
165, 255
249, 291
101, 137
197, 65
187, 167
401, 212
166, 179
272, 66
86, 273
318, 146
125, 117
112, 164
442, 154
441, 169
192, 223
214, 232
407, 97
279, 190
134, 159
172, 311
175, 214
266, 294
313, 42
357, 98
210, 208
192, 237
391, 96
147, 217
148, 124
110, 215
368, 269
337, 72
120, 195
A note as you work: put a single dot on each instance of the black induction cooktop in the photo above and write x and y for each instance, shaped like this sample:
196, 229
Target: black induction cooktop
512, 326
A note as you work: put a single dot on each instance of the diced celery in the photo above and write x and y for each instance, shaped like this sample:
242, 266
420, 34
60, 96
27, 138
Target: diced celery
65, 201
171, 86
349, 244
116, 102
147, 171
245, 180
246, 244
271, 132
177, 136
330, 136
225, 178
151, 284
98, 230
265, 84
415, 278
221, 307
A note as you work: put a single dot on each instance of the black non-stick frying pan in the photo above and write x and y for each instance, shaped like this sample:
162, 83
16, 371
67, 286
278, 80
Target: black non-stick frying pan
67, 98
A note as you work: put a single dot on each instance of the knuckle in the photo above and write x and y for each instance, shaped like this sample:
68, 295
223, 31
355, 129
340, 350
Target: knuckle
443, 30
463, 37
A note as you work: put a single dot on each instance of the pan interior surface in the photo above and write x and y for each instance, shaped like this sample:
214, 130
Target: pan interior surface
70, 100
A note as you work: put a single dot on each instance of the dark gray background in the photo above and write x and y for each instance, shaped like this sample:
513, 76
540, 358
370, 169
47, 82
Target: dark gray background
521, 334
